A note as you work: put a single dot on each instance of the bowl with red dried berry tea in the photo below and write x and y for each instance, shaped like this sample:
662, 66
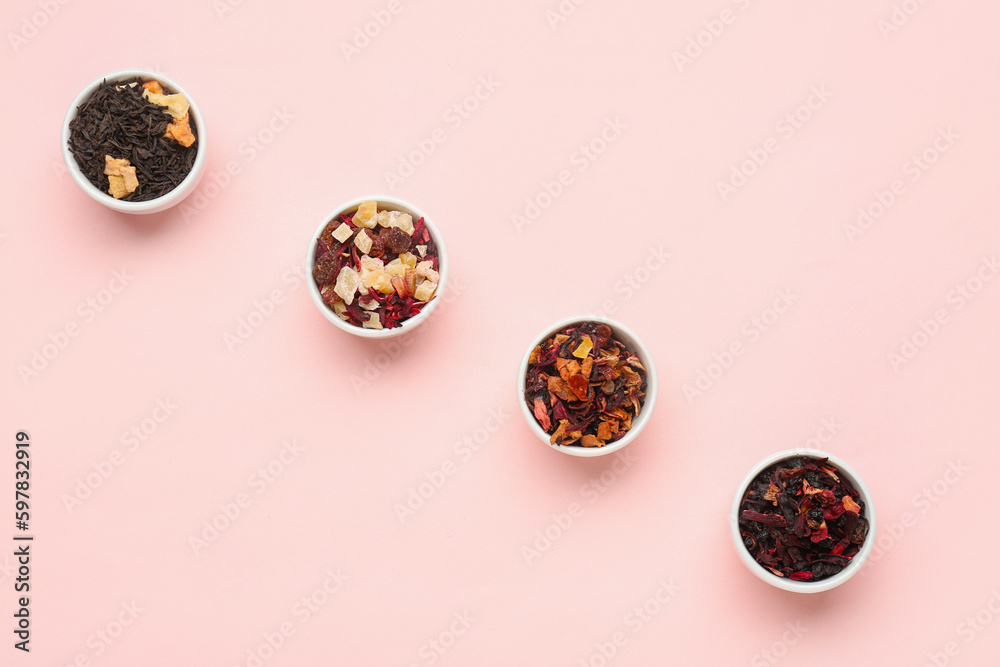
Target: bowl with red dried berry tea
379, 267
134, 140
803, 520
587, 386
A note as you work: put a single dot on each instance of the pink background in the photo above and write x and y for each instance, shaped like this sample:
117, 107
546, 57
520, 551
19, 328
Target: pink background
195, 272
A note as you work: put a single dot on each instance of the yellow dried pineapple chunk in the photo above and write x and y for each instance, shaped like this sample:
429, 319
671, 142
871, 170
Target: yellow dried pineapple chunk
365, 217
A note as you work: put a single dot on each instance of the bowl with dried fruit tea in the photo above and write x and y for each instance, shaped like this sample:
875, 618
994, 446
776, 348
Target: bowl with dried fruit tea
134, 140
803, 520
378, 267
587, 386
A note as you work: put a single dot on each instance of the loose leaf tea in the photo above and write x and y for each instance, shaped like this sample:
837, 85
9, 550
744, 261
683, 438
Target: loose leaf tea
120, 126
376, 269
584, 387
801, 519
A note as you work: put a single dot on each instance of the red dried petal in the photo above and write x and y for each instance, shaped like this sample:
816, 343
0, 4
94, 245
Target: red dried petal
542, 414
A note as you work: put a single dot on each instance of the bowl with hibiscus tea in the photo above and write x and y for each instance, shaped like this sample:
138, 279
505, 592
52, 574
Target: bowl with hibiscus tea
378, 267
587, 386
134, 140
803, 520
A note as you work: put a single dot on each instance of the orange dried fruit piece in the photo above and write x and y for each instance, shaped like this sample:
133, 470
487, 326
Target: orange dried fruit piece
180, 131
559, 433
558, 386
591, 441
121, 176
153, 86
535, 354
605, 430
112, 166
851, 506
116, 187
567, 367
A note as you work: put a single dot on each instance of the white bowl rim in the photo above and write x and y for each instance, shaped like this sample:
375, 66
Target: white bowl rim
857, 562
634, 344
393, 203
175, 196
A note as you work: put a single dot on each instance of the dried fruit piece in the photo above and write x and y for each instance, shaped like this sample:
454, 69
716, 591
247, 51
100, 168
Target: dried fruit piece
363, 242
426, 270
365, 215
180, 131
399, 284
396, 268
348, 282
383, 283
425, 291
372, 322
605, 431
343, 232
121, 176
579, 385
400, 220
584, 348
176, 104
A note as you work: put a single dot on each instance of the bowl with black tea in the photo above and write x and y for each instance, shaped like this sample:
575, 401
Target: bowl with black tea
803, 520
134, 140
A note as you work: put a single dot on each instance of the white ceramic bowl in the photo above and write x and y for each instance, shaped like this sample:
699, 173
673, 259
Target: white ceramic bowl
804, 586
172, 198
391, 204
633, 344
